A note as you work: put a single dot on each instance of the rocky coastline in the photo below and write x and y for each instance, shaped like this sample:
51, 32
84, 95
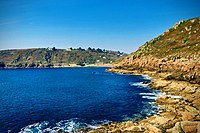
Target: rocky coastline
173, 61
179, 108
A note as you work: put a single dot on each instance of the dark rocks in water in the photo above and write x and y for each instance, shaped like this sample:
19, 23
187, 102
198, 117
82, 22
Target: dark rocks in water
146, 82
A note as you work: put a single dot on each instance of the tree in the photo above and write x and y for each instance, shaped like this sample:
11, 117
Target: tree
54, 49
2, 65
99, 50
89, 49
93, 50
81, 49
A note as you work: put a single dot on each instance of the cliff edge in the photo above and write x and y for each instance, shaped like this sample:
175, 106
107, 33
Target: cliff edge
173, 60
176, 52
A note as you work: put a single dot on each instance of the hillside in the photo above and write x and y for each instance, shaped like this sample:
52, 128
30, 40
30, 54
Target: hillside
52, 57
176, 53
173, 61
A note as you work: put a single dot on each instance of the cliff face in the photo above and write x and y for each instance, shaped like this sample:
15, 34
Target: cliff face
176, 53
52, 57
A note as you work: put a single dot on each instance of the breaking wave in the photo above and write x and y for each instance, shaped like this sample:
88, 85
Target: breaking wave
138, 84
70, 126
152, 95
146, 77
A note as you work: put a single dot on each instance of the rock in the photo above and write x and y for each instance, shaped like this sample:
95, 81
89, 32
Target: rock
147, 120
174, 86
115, 131
95, 131
173, 101
135, 129
196, 103
177, 128
190, 89
129, 124
140, 128
189, 127
187, 115
198, 127
153, 129
166, 100
192, 110
169, 115
171, 123
159, 84
169, 130
159, 120
161, 99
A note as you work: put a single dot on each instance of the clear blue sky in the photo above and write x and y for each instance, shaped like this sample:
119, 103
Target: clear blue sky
111, 24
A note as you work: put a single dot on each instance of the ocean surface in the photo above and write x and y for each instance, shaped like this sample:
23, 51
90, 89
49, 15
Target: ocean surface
47, 100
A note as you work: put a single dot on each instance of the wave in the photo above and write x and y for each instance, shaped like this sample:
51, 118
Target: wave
150, 97
153, 95
70, 126
146, 77
173, 96
148, 94
139, 84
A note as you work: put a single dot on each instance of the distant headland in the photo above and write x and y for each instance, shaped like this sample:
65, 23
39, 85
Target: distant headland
58, 58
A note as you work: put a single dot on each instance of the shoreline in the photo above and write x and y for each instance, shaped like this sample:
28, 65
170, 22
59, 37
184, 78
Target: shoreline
67, 66
179, 108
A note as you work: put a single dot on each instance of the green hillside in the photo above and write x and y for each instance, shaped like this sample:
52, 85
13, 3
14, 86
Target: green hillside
52, 57
182, 39
176, 53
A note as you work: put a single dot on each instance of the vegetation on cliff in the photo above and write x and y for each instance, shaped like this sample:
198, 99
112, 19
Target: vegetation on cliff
173, 60
52, 57
176, 52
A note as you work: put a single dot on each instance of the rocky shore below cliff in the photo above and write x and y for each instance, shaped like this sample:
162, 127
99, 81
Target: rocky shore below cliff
179, 108
173, 61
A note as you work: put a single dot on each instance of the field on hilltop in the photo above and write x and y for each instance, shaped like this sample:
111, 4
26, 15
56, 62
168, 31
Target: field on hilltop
52, 57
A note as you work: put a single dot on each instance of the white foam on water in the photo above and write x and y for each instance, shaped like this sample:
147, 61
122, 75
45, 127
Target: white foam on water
147, 94
69, 126
150, 97
138, 84
176, 97
146, 77
153, 95
36, 127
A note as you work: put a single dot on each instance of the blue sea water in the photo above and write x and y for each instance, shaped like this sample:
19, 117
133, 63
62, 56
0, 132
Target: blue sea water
46, 100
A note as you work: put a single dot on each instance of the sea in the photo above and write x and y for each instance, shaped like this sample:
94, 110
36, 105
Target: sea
67, 99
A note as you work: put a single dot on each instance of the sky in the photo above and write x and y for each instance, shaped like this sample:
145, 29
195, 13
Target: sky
122, 25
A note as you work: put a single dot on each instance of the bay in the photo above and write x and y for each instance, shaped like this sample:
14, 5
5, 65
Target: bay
48, 100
